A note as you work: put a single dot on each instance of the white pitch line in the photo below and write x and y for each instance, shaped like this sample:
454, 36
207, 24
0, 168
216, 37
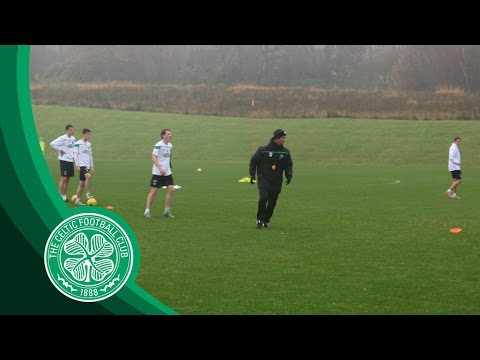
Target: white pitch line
371, 184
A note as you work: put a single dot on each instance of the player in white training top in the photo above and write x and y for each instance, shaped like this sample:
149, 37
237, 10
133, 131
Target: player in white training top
161, 173
454, 168
83, 156
64, 147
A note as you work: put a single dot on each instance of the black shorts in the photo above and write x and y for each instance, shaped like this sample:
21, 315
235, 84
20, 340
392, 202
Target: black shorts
83, 171
66, 168
457, 174
161, 181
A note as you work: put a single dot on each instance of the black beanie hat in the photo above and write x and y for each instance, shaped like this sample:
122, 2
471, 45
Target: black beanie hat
278, 134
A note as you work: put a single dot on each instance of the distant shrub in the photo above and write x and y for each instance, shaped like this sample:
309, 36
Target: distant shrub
449, 91
255, 101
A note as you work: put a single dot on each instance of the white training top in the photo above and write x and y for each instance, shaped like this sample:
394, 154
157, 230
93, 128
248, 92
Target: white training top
82, 154
453, 158
163, 152
64, 143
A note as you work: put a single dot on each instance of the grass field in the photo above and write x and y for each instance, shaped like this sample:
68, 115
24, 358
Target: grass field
362, 229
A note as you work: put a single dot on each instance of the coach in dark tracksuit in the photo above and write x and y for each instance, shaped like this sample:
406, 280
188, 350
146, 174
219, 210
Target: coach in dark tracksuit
269, 162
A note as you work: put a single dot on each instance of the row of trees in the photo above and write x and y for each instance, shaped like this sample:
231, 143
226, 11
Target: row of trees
404, 67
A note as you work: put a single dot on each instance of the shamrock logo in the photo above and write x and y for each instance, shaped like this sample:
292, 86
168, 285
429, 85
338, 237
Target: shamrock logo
89, 257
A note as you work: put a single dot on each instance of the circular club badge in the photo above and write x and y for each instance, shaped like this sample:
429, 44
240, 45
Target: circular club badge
88, 257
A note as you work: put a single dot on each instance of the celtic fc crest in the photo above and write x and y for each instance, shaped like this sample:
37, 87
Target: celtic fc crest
88, 257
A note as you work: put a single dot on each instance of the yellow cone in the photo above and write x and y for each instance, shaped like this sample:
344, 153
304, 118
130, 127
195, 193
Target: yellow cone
246, 179
42, 145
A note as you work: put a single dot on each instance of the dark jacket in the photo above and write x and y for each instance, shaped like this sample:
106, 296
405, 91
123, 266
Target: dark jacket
269, 162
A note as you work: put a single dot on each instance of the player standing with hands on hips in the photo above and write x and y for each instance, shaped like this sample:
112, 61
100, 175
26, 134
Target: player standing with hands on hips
454, 168
270, 161
64, 147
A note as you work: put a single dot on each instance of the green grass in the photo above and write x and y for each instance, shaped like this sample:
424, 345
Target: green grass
343, 240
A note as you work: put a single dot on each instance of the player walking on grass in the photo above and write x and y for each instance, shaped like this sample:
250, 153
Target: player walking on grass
64, 147
270, 162
161, 173
454, 168
83, 156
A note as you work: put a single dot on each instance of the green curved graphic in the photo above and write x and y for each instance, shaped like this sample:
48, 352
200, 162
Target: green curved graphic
30, 210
